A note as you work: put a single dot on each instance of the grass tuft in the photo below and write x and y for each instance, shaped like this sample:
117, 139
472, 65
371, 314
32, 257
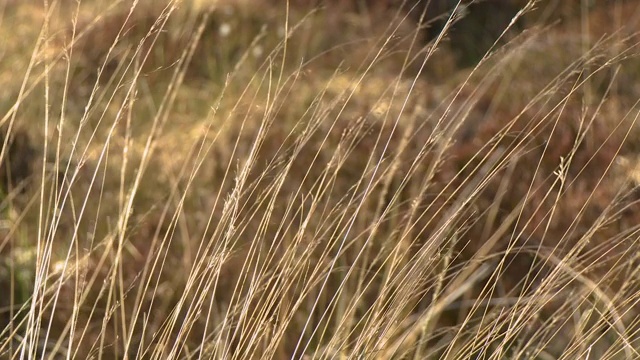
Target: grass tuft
301, 180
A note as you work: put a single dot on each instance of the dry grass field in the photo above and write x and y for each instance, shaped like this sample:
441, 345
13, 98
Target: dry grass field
265, 179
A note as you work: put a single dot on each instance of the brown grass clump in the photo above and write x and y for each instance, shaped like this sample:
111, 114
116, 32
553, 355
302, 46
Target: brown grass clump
260, 180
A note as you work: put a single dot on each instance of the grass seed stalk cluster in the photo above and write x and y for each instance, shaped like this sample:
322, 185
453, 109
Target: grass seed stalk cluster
266, 179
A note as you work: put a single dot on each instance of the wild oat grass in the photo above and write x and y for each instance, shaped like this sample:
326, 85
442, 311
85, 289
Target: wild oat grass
275, 180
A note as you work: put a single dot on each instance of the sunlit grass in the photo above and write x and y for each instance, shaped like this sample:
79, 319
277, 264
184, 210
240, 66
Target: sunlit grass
264, 180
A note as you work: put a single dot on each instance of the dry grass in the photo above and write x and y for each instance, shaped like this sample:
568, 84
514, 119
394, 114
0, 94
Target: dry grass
253, 180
